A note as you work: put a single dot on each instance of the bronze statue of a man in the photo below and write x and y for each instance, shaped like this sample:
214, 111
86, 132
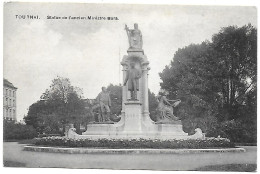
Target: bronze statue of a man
132, 77
104, 101
134, 37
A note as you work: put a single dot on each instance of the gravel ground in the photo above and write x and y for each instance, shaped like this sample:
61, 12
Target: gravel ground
13, 152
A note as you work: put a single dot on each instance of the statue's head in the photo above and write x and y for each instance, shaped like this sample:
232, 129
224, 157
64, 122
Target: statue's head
104, 89
136, 26
198, 130
162, 94
132, 65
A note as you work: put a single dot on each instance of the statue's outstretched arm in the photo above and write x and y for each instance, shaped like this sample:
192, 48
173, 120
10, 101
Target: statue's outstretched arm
174, 100
126, 78
141, 39
126, 28
166, 101
128, 35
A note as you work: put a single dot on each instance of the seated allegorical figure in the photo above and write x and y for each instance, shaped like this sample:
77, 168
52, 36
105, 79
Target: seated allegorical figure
165, 108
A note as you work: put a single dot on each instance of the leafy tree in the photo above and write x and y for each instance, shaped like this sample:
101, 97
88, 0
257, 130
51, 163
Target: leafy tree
39, 115
153, 103
216, 81
189, 78
17, 131
236, 50
65, 98
60, 104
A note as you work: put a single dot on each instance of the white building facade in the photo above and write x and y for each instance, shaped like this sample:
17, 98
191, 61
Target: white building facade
9, 101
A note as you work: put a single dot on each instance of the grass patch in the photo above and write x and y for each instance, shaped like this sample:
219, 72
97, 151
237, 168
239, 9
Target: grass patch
25, 141
229, 167
30, 141
13, 164
246, 144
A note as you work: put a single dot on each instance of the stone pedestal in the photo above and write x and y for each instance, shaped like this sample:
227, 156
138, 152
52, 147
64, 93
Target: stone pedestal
133, 117
131, 129
99, 129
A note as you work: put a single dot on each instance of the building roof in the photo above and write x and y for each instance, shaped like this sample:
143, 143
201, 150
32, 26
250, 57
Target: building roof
9, 84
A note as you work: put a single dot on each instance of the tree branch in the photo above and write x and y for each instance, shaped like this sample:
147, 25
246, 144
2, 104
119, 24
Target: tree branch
244, 91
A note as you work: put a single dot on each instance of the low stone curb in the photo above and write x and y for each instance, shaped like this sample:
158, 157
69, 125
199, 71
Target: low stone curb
126, 151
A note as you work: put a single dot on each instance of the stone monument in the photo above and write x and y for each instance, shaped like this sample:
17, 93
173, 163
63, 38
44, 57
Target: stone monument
135, 120
134, 37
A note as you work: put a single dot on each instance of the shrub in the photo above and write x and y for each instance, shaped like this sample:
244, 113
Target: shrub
48, 135
234, 130
135, 143
18, 131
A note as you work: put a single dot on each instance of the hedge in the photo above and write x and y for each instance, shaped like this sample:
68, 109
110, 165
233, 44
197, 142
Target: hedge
135, 143
18, 131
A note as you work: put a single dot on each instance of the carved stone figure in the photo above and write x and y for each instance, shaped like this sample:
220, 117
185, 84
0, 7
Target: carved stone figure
134, 37
165, 108
198, 134
72, 133
132, 77
104, 102
96, 113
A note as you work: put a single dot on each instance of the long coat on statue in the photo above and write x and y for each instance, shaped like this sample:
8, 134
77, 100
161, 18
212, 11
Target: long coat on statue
133, 76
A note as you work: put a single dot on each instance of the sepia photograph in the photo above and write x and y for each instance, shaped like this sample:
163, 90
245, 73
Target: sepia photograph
159, 87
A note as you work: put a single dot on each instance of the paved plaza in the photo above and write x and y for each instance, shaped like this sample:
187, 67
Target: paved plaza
14, 152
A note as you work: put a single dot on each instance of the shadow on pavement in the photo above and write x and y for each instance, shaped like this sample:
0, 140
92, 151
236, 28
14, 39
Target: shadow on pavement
229, 167
13, 164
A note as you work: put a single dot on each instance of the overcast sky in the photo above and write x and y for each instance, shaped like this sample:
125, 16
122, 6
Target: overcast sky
89, 52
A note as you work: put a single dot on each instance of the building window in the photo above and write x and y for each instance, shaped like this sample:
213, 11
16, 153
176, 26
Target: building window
14, 113
10, 102
13, 102
6, 91
10, 112
10, 93
13, 94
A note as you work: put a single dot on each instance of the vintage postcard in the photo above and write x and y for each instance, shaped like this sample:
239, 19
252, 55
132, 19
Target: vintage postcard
130, 86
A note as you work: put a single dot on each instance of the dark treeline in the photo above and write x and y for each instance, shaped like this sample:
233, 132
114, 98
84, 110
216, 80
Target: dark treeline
216, 82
